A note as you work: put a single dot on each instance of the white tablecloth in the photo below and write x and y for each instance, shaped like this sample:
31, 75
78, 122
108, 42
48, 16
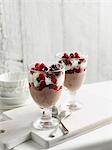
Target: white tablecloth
100, 139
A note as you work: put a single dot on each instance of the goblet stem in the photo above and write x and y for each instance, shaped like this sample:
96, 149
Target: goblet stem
46, 117
46, 121
72, 102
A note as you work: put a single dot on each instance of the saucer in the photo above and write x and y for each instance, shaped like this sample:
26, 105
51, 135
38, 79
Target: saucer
13, 100
7, 107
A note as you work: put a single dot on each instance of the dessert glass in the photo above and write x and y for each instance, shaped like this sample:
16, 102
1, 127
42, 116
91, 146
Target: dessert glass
75, 73
45, 84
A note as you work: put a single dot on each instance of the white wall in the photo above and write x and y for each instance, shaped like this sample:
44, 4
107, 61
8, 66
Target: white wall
40, 28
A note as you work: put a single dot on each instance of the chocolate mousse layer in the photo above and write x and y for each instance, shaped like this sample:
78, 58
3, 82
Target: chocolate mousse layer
46, 97
73, 81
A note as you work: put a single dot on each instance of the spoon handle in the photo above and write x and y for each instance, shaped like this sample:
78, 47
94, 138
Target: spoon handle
64, 129
53, 133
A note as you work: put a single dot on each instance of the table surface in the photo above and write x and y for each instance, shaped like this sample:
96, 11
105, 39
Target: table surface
100, 139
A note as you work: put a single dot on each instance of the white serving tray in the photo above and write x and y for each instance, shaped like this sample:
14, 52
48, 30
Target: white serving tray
80, 122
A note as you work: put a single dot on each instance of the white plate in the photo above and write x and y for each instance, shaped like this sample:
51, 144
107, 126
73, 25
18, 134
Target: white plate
6, 107
14, 100
13, 79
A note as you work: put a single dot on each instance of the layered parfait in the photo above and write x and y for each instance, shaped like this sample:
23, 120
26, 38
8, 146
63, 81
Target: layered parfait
75, 73
46, 83
75, 70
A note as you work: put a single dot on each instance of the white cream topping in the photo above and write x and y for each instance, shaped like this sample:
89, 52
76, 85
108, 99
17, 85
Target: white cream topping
75, 64
83, 65
36, 84
35, 76
48, 81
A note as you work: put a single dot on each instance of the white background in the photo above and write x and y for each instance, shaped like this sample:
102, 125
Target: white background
40, 28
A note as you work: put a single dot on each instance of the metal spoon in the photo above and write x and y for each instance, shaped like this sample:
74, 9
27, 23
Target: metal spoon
62, 115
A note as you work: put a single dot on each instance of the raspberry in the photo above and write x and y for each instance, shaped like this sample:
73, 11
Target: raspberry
54, 80
65, 55
42, 85
76, 55
42, 76
41, 66
37, 66
77, 70
52, 86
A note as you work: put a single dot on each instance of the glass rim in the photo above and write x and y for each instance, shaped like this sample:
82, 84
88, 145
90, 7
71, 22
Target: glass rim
30, 68
59, 54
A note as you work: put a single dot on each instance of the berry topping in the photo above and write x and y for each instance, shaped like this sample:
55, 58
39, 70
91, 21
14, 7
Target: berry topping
42, 76
65, 55
73, 62
60, 61
77, 70
54, 80
82, 60
72, 55
42, 85
76, 55
54, 67
41, 67
52, 86
45, 77
38, 79
79, 62
37, 66
53, 77
45, 69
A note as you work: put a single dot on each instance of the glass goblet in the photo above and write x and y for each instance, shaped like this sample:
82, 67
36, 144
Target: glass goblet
75, 73
45, 84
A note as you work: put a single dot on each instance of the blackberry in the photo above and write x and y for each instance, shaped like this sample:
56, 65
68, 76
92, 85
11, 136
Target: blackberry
79, 62
60, 61
38, 79
45, 69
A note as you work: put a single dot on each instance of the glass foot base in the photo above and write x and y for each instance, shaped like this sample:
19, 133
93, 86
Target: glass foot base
41, 125
74, 107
